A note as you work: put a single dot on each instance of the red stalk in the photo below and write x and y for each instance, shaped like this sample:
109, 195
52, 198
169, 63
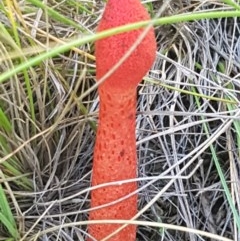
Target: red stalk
115, 149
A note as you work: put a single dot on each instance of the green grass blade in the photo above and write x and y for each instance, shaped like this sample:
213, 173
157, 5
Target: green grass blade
89, 38
4, 122
220, 172
6, 216
56, 15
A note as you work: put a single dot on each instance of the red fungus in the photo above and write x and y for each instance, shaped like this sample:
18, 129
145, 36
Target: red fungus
115, 156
